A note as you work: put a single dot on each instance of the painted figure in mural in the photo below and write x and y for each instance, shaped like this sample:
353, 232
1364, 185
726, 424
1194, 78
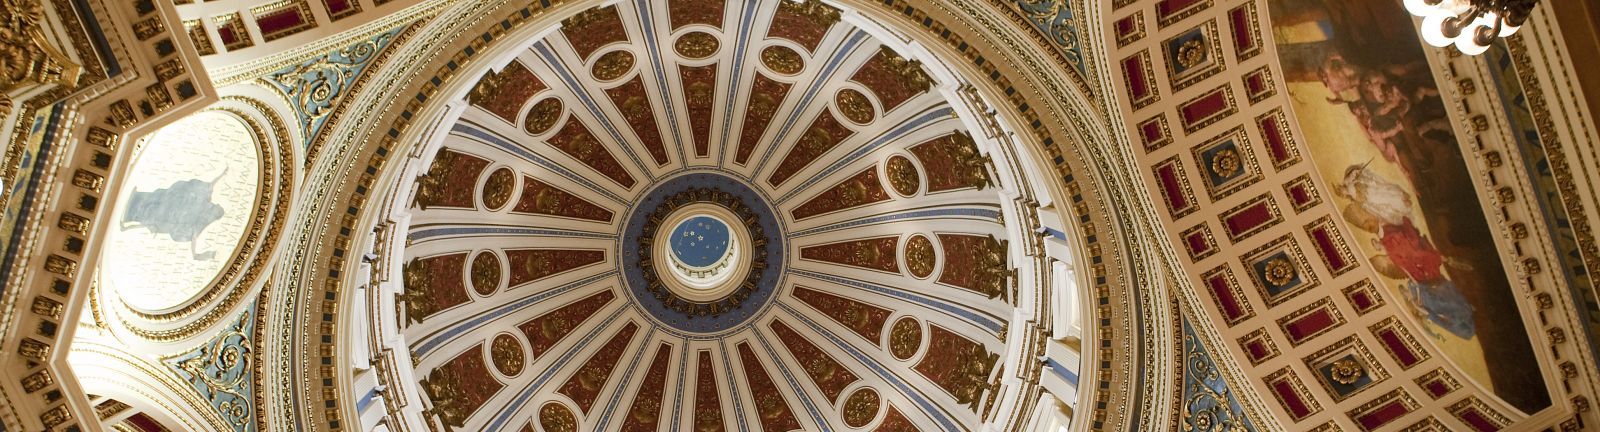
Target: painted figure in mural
181, 211
1399, 121
1366, 97
1382, 207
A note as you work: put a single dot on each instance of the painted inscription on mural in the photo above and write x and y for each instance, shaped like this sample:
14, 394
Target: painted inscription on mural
1382, 140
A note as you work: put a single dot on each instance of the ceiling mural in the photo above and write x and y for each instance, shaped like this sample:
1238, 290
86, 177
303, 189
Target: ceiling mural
183, 215
1324, 200
1398, 183
764, 207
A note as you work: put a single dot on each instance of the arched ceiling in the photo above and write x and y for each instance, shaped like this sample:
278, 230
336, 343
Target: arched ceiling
498, 245
529, 296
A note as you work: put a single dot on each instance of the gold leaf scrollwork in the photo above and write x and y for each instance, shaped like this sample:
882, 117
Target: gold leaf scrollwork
1207, 401
221, 371
27, 58
314, 86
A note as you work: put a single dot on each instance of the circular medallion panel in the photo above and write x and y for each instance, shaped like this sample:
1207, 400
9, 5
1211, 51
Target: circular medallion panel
919, 256
905, 338
183, 211
697, 45
554, 417
485, 273
543, 116
782, 60
498, 188
903, 175
613, 65
854, 106
507, 355
861, 407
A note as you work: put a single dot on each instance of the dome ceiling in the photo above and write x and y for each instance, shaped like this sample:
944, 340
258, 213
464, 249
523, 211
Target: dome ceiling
706, 216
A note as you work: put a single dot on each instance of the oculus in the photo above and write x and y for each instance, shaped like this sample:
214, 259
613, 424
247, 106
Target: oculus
702, 252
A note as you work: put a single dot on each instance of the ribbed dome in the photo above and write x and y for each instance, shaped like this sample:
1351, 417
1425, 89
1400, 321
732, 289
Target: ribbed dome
863, 260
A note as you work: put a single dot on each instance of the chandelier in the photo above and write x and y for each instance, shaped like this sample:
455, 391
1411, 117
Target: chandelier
1471, 25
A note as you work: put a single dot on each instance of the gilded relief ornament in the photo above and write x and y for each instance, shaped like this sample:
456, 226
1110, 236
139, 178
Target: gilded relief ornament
416, 276
222, 371
1226, 163
589, 16
869, 255
905, 338
548, 201
909, 70
315, 86
972, 375
974, 166
1279, 271
993, 267
903, 175
28, 58
485, 273
861, 407
497, 189
447, 397
507, 354
1346, 371
1057, 22
613, 65
782, 60
919, 256
430, 186
815, 10
697, 45
554, 417
542, 117
854, 106
1192, 53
